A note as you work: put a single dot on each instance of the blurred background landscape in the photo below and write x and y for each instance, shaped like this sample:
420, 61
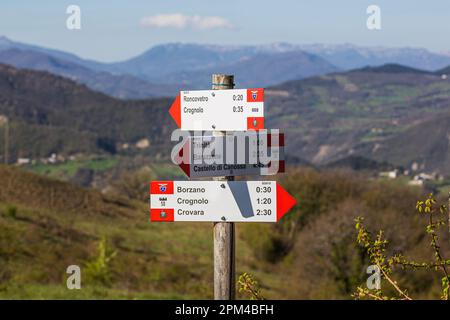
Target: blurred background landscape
367, 134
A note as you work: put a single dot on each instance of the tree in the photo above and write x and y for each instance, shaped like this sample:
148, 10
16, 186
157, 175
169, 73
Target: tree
376, 250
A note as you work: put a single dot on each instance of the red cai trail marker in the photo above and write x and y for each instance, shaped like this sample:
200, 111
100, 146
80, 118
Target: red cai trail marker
237, 154
221, 110
218, 201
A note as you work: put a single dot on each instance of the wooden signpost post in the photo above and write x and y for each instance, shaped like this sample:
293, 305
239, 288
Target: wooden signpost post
223, 201
224, 232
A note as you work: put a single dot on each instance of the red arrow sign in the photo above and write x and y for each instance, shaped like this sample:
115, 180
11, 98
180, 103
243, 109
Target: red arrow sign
284, 202
175, 111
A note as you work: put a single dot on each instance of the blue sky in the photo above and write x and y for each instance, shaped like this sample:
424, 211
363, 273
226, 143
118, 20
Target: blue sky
114, 30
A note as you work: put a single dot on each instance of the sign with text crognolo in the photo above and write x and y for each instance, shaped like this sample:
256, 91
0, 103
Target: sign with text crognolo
221, 110
234, 154
218, 201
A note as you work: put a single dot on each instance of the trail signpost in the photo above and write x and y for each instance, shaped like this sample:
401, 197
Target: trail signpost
224, 111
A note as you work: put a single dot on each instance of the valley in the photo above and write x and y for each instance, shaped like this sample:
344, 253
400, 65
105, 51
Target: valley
76, 187
327, 119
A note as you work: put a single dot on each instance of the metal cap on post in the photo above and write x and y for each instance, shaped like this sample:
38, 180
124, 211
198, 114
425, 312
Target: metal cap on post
224, 238
222, 81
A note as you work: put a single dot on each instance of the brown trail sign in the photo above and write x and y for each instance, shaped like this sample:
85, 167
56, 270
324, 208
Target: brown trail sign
236, 154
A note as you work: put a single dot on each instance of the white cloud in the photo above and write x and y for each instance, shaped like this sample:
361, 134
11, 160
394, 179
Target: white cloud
181, 21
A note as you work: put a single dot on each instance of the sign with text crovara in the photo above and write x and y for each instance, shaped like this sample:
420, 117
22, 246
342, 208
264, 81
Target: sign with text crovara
221, 110
234, 154
218, 201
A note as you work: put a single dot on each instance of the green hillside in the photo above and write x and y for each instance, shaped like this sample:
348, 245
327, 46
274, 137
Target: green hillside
47, 225
50, 114
355, 113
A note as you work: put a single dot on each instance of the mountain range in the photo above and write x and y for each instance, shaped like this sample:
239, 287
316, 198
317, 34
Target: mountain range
120, 86
165, 69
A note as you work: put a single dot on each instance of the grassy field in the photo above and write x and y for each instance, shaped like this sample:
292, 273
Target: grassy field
47, 225
67, 170
41, 235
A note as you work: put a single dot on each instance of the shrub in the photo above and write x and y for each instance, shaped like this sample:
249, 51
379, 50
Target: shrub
376, 248
97, 270
11, 211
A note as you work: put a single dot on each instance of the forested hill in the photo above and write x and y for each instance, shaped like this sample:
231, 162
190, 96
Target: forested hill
365, 113
50, 113
378, 113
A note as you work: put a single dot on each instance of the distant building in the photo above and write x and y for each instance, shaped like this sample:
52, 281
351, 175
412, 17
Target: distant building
143, 143
23, 161
52, 158
415, 182
425, 176
421, 178
389, 174
3, 120
377, 130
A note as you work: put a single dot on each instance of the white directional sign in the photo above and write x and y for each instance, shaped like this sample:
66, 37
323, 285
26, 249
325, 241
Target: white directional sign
239, 153
217, 201
222, 110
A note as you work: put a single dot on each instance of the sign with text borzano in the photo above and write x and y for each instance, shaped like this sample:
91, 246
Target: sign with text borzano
221, 110
235, 154
218, 201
